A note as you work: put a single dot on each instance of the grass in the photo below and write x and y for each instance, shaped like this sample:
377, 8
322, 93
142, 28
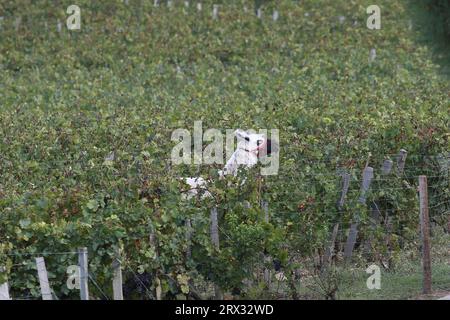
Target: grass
403, 280
397, 284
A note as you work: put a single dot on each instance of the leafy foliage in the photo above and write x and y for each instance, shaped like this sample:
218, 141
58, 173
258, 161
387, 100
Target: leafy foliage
87, 116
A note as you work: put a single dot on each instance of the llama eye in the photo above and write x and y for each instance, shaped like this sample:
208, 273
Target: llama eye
247, 139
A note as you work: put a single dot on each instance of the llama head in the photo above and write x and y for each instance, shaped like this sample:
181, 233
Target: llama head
254, 143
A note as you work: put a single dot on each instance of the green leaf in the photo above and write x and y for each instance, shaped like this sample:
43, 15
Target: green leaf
92, 205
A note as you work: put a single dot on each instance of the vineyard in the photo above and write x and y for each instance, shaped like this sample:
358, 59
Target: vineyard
87, 116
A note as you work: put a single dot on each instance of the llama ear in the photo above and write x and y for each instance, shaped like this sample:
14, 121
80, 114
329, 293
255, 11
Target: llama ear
241, 134
268, 146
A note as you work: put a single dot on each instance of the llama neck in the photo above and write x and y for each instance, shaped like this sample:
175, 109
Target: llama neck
239, 158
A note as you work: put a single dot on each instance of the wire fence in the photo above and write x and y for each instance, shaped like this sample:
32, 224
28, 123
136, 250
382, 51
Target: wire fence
377, 229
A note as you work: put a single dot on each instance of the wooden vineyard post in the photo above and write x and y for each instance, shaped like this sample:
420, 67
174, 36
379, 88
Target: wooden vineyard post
386, 170
448, 223
387, 167
218, 295
4, 291
259, 13
43, 279
84, 275
215, 13
367, 179
372, 55
375, 216
58, 26
154, 244
345, 186
387, 240
353, 232
215, 229
447, 174
425, 234
265, 208
444, 165
158, 289
340, 204
330, 247
351, 240
188, 238
117, 280
275, 15
401, 160
17, 23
